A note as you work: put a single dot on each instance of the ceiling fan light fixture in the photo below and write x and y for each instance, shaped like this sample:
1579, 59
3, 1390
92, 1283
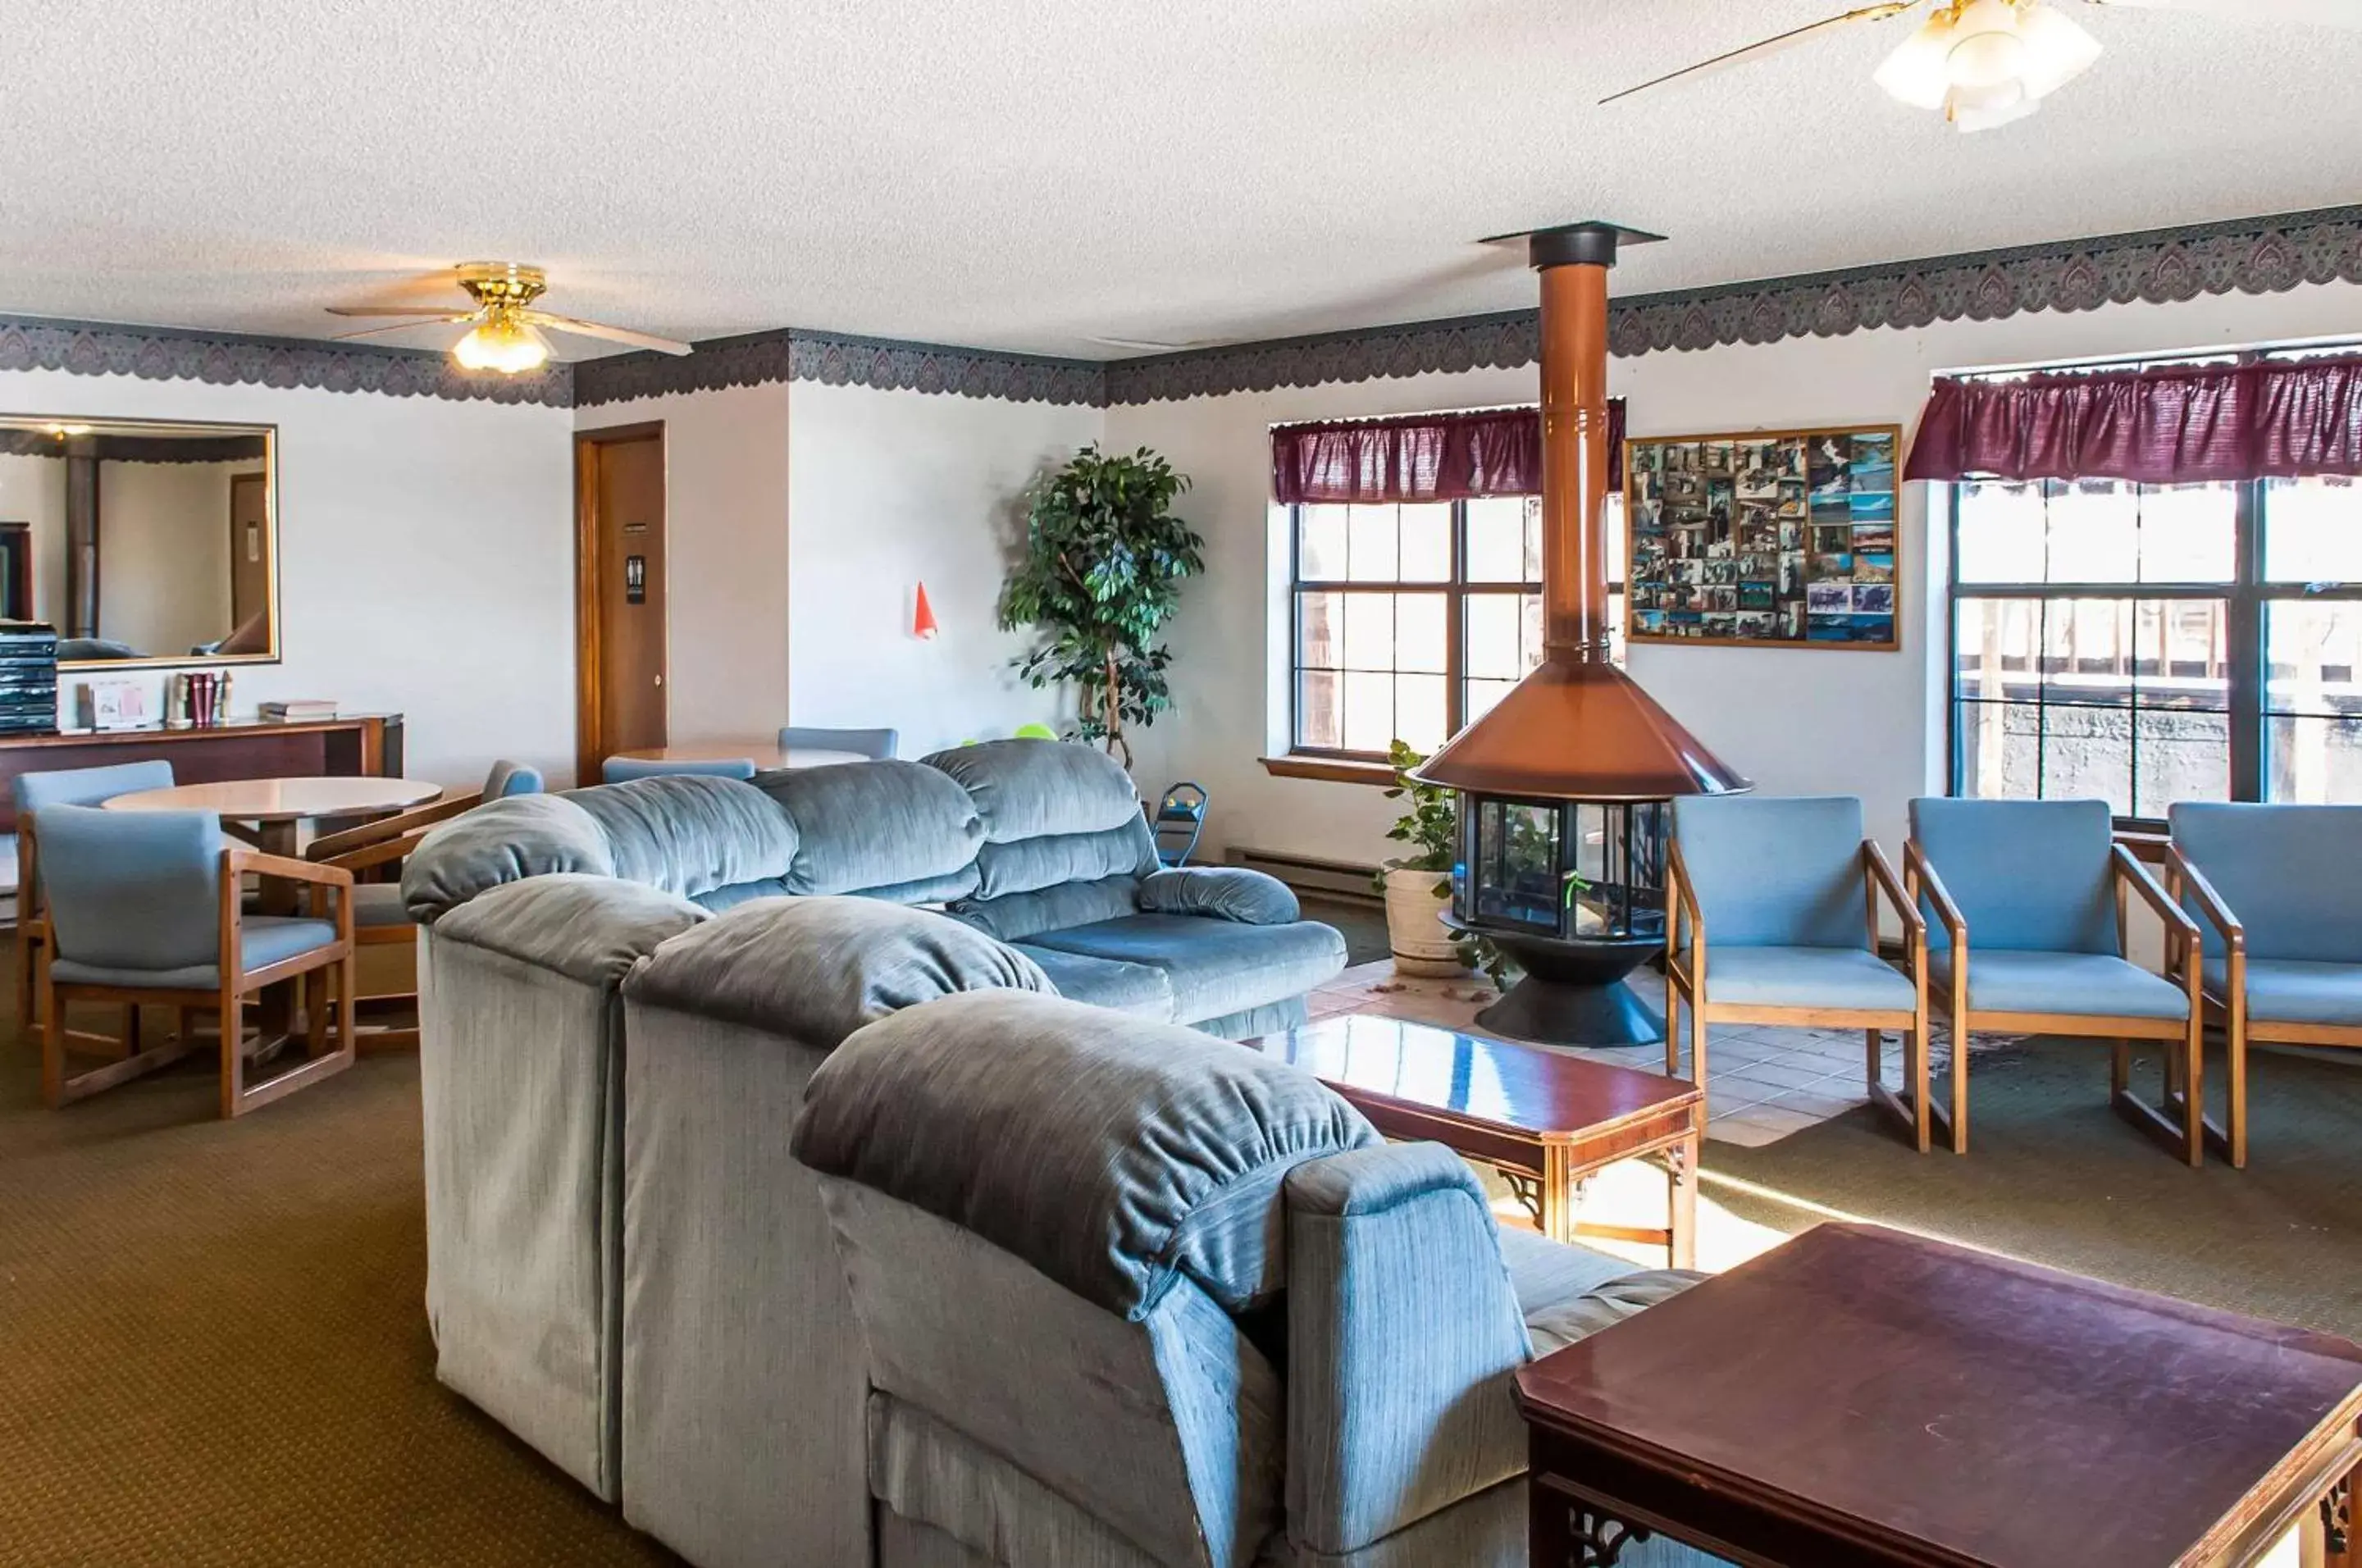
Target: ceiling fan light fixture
510, 348
2058, 50
1915, 74
1987, 49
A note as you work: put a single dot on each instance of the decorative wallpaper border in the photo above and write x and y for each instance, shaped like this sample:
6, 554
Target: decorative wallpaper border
2250, 256
169, 354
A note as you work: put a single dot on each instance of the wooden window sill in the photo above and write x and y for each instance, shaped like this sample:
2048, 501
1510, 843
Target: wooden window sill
1330, 769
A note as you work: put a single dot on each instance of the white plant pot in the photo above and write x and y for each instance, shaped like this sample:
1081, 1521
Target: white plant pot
1422, 944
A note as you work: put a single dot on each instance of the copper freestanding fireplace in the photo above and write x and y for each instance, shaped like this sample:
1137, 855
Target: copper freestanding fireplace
1565, 786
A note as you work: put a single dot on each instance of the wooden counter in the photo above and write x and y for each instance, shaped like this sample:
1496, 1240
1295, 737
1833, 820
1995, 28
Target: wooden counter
349, 745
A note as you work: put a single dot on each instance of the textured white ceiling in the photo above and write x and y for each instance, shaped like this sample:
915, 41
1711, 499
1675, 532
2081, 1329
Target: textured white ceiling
1034, 174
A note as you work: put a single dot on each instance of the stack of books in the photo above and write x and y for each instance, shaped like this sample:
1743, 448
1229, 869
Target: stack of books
29, 678
299, 710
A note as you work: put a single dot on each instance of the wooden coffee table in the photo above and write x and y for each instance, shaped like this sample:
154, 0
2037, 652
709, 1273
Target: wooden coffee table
1861, 1397
1544, 1120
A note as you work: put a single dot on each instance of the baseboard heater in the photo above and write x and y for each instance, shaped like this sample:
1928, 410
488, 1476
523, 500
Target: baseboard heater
1307, 874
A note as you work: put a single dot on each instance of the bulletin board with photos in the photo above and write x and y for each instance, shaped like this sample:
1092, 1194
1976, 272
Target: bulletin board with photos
1777, 538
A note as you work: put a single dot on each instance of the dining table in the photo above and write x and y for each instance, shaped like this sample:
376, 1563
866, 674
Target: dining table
767, 755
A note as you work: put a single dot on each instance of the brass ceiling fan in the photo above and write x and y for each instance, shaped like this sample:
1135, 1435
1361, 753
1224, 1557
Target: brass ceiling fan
505, 332
1988, 63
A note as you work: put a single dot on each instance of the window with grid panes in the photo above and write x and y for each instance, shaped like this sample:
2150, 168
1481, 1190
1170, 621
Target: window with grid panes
2148, 644
1410, 621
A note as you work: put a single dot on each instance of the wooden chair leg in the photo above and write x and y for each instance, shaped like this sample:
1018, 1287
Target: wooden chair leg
1915, 1047
53, 1042
131, 1029
1673, 1025
27, 958
2193, 1108
1959, 1074
1698, 1045
233, 1053
2236, 1043
316, 1014
348, 1005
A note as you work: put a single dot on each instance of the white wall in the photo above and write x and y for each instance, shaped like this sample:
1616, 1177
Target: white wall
890, 489
1796, 721
726, 556
425, 558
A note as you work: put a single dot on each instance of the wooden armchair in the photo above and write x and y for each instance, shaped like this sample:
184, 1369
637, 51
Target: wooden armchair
372, 853
146, 908
2045, 889
61, 786
1777, 881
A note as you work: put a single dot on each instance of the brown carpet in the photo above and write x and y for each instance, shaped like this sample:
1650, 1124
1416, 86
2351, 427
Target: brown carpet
213, 1349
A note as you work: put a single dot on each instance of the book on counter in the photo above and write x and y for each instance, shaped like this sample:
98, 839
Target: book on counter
298, 710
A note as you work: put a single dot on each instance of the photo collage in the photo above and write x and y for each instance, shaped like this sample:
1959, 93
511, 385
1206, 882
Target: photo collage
1785, 538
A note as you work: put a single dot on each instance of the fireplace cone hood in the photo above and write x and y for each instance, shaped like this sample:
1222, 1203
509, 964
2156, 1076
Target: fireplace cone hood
1577, 728
1565, 787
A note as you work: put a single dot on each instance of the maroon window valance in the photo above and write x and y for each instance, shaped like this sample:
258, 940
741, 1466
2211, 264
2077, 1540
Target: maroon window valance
1422, 456
2175, 424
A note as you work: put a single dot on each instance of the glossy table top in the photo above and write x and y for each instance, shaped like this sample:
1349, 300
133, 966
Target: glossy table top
282, 800
1943, 1401
1486, 1082
766, 755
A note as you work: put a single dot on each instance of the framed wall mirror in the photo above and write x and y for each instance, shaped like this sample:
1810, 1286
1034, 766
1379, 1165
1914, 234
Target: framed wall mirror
142, 542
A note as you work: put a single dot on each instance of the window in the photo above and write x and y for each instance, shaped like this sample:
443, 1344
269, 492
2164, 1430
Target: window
1409, 620
2149, 644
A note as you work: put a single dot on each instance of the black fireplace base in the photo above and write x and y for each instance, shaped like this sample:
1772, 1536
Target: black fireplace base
1573, 993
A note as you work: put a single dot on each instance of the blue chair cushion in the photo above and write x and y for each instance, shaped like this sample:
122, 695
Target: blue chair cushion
1773, 872
1804, 977
2080, 985
2286, 871
268, 940
1140, 989
2031, 875
2297, 990
1216, 967
507, 778
89, 786
623, 769
877, 745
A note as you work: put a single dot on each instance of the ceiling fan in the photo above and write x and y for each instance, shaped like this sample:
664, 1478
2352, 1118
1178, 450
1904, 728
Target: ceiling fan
1988, 63
504, 331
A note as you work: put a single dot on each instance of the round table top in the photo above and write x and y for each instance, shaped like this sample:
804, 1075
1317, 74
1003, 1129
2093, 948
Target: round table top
282, 800
766, 755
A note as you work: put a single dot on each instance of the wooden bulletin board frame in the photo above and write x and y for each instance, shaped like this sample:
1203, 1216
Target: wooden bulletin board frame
1724, 535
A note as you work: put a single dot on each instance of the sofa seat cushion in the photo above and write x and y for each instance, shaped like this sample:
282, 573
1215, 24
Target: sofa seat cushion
1604, 1305
268, 940
1140, 989
1216, 967
1805, 977
1545, 1273
2078, 985
2295, 991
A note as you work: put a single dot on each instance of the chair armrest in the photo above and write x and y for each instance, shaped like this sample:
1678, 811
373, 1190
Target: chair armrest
1931, 886
1880, 874
1224, 892
1404, 1332
2131, 873
2193, 883
1682, 906
369, 855
329, 845
237, 861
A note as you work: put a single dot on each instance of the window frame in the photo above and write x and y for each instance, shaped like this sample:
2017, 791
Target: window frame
2247, 596
1456, 589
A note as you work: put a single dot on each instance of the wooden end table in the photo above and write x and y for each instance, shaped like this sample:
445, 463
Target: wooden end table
1861, 1397
1544, 1120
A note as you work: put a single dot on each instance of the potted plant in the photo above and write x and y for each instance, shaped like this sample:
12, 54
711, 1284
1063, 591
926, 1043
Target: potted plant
1101, 573
1417, 886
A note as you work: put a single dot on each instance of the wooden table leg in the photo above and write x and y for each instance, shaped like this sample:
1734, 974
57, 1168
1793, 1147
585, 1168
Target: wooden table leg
1682, 1175
1561, 1193
275, 1008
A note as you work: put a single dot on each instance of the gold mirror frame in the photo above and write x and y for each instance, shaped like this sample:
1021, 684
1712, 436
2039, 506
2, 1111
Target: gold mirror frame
68, 427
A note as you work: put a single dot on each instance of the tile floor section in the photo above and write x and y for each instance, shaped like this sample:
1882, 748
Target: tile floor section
1762, 1083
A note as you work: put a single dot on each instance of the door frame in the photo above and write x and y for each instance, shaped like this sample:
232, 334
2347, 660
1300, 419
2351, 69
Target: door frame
590, 741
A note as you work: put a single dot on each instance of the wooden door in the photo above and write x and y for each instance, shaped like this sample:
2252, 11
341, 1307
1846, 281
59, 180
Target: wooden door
250, 547
619, 561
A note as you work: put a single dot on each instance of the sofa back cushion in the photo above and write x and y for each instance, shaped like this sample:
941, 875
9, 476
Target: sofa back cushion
818, 969
1013, 917
1053, 812
690, 834
898, 831
498, 843
2288, 873
1113, 1154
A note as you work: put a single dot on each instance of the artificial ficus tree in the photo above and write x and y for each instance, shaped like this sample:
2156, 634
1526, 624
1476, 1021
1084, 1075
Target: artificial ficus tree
1101, 573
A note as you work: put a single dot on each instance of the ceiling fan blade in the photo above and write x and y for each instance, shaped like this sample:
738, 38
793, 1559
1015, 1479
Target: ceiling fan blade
612, 333
392, 310
399, 326
1773, 44
2321, 12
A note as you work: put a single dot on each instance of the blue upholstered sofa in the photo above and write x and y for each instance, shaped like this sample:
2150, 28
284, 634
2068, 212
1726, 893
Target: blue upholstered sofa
1039, 844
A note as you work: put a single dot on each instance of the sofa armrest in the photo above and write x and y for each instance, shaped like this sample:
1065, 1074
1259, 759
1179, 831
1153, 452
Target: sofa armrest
1403, 1332
1224, 892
